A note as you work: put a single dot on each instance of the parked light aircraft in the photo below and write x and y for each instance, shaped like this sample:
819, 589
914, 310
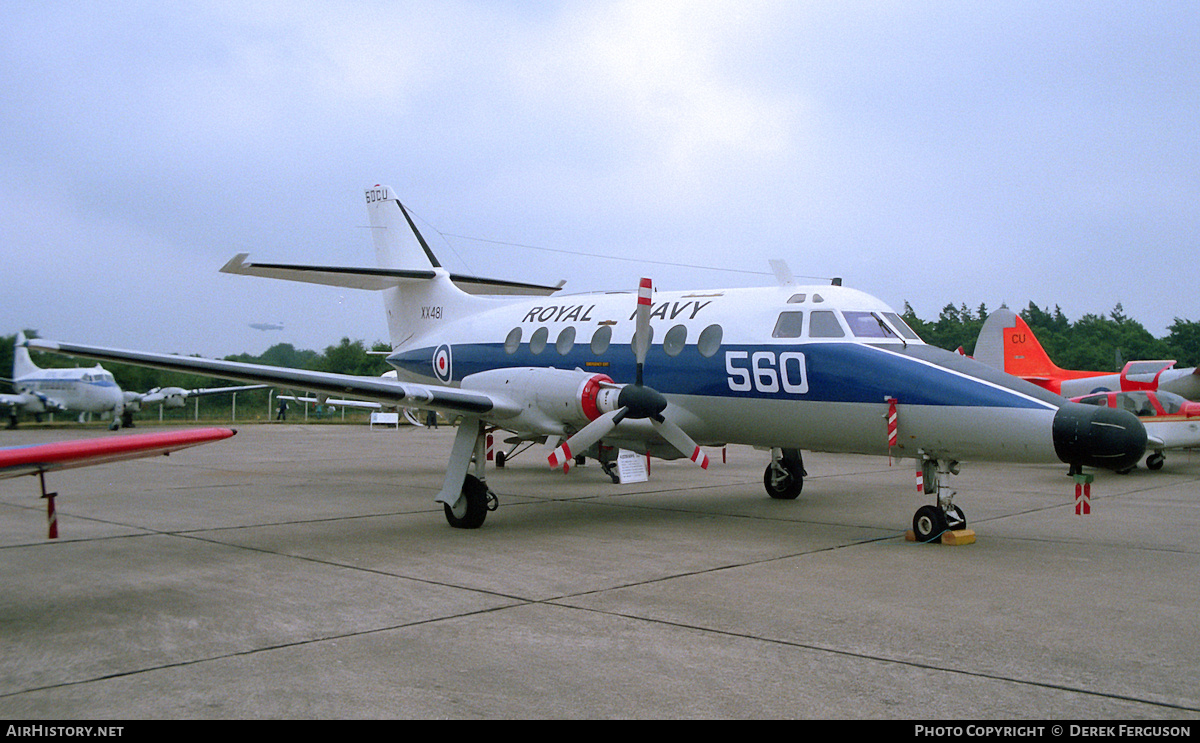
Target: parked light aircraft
784, 368
38, 459
1171, 421
1007, 343
85, 391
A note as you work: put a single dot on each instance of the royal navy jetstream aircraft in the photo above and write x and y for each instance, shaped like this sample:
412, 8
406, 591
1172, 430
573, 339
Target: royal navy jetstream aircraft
784, 368
84, 391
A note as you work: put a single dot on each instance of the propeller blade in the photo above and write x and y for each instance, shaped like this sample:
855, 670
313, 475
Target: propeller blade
681, 441
584, 438
641, 332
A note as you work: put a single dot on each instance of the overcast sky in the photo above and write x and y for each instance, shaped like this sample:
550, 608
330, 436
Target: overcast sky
929, 152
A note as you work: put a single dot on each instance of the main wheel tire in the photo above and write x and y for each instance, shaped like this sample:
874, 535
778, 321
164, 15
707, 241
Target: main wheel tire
1155, 461
787, 487
928, 523
472, 508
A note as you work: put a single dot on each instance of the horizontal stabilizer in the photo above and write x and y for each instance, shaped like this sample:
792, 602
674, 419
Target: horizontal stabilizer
376, 279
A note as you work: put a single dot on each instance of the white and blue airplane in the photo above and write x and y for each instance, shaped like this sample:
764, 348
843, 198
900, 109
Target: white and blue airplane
784, 368
84, 391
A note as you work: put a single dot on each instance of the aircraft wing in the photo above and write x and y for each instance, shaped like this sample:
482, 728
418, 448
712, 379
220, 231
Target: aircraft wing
340, 403
378, 278
29, 460
378, 389
11, 400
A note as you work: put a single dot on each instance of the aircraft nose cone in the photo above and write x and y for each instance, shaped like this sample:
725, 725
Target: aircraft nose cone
1092, 436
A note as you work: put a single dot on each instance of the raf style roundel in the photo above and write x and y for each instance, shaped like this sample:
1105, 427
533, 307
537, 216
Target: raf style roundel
442, 366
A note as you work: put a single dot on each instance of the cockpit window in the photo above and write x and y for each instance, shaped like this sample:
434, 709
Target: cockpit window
1172, 404
788, 325
902, 326
1137, 403
868, 325
824, 324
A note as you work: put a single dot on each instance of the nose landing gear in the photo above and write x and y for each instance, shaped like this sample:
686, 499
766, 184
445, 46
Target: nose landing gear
931, 522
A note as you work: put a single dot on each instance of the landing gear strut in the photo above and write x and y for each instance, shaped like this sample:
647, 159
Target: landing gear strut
465, 497
784, 478
930, 522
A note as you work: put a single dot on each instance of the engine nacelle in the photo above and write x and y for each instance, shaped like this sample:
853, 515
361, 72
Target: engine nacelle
549, 401
169, 397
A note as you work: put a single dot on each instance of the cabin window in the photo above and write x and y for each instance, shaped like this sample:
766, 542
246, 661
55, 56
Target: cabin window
824, 324
796, 299
537, 341
513, 341
709, 341
788, 325
566, 340
674, 340
601, 338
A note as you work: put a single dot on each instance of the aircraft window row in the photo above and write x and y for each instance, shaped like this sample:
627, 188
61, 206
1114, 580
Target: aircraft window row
799, 299
826, 324
674, 342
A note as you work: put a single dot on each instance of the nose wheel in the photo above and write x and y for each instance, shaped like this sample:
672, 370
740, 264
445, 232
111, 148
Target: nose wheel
931, 522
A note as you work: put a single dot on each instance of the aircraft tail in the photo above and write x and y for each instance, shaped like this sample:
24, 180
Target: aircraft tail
418, 291
398, 242
22, 364
1007, 343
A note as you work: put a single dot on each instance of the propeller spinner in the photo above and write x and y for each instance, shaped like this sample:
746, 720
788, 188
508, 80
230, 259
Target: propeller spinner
634, 401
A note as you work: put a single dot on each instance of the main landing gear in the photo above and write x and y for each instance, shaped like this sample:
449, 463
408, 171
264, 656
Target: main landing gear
465, 496
784, 477
473, 505
930, 522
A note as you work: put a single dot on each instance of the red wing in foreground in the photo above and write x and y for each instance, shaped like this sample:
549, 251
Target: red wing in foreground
37, 459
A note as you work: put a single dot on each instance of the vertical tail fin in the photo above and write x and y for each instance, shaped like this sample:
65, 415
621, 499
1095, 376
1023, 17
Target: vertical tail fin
400, 245
22, 364
398, 242
1007, 343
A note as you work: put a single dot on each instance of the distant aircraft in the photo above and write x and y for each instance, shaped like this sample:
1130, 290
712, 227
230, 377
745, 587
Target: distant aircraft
1171, 421
784, 368
267, 325
38, 459
85, 391
1007, 343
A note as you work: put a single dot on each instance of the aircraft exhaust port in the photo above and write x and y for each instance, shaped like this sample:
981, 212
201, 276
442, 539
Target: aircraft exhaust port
1091, 436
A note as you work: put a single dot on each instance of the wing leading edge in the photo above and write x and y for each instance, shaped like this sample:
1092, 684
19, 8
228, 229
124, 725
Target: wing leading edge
370, 388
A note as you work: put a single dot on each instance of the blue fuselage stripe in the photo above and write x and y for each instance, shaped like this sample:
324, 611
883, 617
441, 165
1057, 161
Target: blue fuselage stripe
830, 372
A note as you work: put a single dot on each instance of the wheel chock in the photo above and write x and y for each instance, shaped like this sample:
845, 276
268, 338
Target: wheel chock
952, 538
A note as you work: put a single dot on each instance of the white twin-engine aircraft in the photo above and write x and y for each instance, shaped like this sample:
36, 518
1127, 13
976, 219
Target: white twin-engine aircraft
84, 391
785, 368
